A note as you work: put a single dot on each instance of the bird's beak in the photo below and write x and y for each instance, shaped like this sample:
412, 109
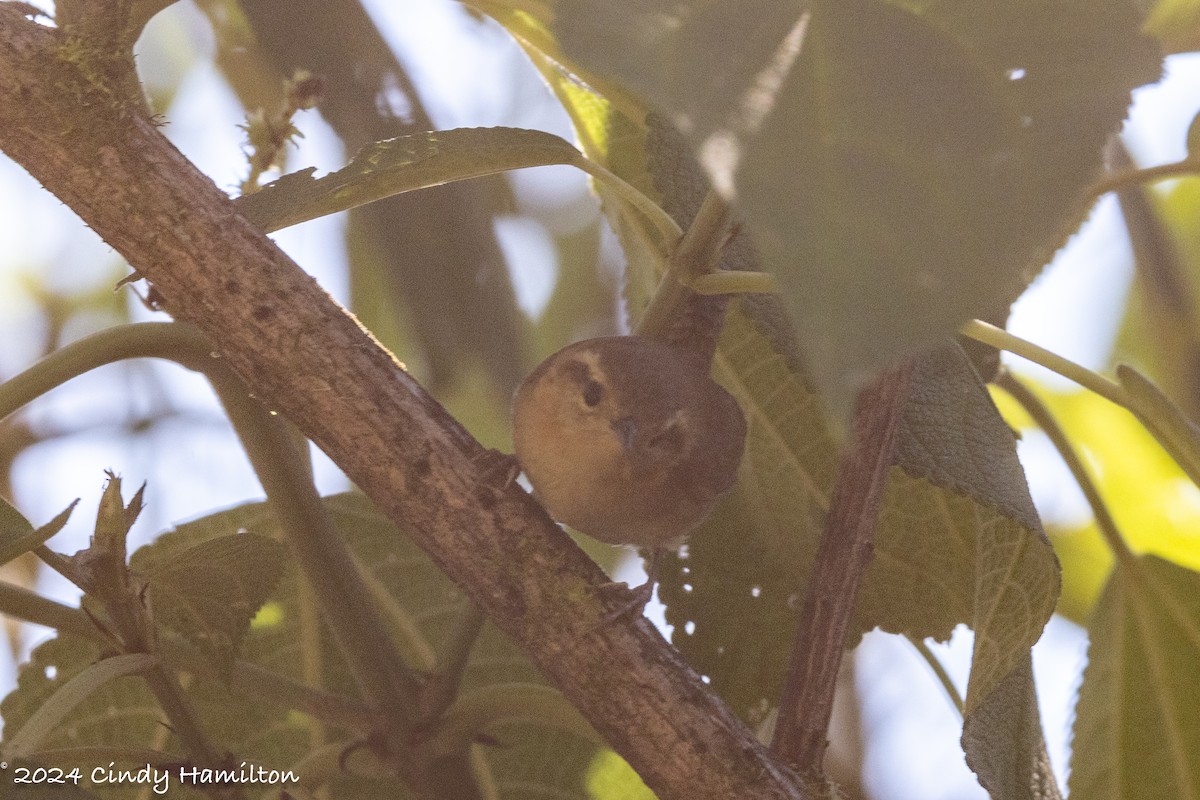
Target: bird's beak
626, 430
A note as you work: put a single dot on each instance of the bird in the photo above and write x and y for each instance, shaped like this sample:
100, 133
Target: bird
628, 439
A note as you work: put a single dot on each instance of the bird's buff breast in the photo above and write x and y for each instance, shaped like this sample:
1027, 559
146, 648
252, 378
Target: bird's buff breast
585, 480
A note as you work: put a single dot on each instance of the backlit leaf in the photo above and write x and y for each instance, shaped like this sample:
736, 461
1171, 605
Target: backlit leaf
1137, 727
1176, 23
1154, 504
209, 593
287, 637
908, 168
954, 525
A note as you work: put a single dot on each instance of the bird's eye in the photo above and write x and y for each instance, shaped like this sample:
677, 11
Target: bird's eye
593, 392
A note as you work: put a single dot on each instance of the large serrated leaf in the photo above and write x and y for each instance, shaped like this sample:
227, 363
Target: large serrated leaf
959, 540
954, 514
422, 606
1003, 740
209, 593
1137, 725
908, 169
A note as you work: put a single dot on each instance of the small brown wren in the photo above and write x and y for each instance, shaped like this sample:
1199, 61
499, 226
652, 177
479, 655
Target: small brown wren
628, 439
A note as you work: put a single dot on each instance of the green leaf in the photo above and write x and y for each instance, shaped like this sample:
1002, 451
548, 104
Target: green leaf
403, 164
287, 637
119, 713
610, 777
916, 162
1176, 23
17, 536
70, 695
1003, 740
209, 593
955, 514
1137, 726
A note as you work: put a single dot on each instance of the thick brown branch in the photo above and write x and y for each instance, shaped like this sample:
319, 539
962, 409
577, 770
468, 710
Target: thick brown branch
301, 353
847, 544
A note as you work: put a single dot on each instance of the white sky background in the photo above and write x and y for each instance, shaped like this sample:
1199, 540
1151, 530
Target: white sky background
469, 79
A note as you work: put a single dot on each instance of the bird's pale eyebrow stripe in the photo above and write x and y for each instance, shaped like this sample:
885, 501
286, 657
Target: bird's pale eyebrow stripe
584, 367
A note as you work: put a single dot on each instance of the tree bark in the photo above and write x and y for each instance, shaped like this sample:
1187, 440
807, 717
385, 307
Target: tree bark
305, 356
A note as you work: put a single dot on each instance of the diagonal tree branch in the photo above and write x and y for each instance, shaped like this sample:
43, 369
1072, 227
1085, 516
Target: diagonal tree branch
305, 356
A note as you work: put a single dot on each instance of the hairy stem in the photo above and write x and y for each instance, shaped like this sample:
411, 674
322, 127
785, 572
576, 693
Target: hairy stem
847, 545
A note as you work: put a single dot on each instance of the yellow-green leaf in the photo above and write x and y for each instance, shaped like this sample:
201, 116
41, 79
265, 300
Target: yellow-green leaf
1176, 23
1154, 504
1137, 725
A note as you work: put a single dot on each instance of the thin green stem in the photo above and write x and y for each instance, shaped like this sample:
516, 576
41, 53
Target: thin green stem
939, 671
67, 698
1179, 436
653, 212
700, 248
735, 282
1165, 421
442, 685
324, 559
695, 254
1131, 177
32, 607
333, 709
105, 347
59, 564
1049, 425
353, 618
1003, 340
312, 653
185, 723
